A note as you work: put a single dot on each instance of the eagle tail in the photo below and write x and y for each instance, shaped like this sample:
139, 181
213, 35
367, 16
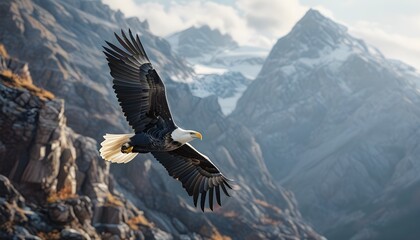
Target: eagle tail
111, 148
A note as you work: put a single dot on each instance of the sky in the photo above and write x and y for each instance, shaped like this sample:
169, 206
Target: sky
391, 26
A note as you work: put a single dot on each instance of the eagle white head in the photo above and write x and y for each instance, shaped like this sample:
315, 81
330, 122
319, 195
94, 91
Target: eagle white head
183, 136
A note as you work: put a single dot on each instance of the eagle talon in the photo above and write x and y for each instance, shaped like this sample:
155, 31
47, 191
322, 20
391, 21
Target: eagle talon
127, 150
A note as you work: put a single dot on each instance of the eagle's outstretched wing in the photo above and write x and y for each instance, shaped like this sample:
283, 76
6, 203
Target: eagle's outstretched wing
196, 172
139, 89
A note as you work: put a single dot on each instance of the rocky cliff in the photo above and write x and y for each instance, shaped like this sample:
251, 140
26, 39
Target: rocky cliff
65, 58
337, 123
53, 185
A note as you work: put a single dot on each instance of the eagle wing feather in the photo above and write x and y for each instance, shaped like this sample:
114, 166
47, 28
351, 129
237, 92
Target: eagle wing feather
196, 172
139, 89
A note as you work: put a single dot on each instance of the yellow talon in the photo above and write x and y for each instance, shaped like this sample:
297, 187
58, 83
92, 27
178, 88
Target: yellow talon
127, 150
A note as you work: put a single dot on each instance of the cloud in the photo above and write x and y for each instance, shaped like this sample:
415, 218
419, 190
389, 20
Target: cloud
271, 18
165, 20
249, 22
326, 12
128, 7
392, 45
262, 22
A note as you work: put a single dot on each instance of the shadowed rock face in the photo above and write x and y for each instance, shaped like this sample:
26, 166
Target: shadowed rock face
337, 124
35, 139
61, 188
64, 57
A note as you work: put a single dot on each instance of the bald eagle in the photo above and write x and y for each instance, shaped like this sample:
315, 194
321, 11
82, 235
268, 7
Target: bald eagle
141, 95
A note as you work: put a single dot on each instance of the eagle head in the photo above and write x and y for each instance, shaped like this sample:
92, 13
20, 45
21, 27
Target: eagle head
184, 136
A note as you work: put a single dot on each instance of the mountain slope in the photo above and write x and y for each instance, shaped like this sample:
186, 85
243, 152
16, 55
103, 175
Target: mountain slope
65, 55
336, 122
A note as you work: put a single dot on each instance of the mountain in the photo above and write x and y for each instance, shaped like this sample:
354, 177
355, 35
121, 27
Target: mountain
60, 42
199, 41
337, 123
219, 63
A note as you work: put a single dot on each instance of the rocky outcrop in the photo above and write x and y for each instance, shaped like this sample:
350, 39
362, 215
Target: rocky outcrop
59, 188
338, 125
36, 145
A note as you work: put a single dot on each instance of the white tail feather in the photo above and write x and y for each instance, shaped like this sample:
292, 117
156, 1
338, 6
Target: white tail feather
111, 148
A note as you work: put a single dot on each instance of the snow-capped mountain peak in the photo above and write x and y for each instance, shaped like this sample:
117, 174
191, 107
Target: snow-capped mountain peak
316, 41
314, 24
199, 41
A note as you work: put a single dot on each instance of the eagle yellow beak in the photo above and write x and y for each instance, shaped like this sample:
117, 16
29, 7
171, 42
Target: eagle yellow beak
198, 135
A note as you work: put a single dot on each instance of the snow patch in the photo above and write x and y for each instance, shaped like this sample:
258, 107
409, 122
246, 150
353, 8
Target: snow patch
228, 87
203, 70
229, 104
